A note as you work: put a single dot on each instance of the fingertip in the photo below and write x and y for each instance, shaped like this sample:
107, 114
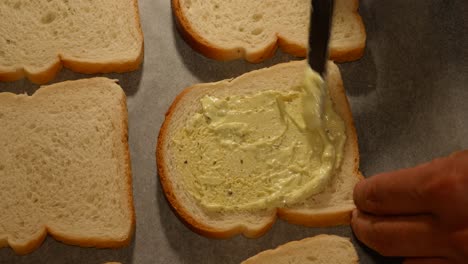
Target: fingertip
354, 214
355, 226
359, 192
461, 154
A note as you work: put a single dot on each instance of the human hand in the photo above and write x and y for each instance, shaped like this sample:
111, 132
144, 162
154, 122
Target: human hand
419, 213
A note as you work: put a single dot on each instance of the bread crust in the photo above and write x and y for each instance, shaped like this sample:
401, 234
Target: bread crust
36, 241
295, 244
199, 43
49, 72
210, 50
332, 218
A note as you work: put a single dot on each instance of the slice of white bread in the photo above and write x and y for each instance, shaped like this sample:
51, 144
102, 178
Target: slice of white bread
331, 207
65, 166
227, 30
321, 249
38, 37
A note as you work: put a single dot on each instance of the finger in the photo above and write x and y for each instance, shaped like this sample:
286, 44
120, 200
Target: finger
426, 261
395, 193
406, 236
462, 154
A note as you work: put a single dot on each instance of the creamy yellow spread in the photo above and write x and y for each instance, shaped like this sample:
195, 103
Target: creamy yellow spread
268, 149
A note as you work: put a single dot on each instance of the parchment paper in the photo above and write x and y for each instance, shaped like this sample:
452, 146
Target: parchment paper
408, 95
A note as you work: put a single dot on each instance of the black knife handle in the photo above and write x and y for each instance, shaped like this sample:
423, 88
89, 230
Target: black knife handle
320, 26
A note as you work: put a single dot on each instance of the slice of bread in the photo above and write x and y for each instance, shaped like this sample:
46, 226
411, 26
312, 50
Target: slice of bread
227, 30
314, 250
65, 166
331, 207
38, 37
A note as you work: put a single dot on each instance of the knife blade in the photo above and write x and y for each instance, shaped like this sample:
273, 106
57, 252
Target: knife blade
319, 34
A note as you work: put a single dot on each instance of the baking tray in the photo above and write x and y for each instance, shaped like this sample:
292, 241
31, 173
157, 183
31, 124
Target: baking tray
408, 95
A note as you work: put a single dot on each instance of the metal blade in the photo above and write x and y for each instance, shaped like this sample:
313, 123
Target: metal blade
320, 26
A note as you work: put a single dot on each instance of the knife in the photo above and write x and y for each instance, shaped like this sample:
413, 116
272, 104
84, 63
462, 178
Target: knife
319, 34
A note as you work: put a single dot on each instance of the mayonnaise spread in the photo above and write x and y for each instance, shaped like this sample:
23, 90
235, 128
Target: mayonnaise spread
267, 149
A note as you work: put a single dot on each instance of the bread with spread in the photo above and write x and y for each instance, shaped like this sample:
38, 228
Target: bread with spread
65, 166
227, 30
234, 155
37, 38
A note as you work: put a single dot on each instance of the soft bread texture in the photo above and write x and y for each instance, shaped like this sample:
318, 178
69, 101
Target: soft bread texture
38, 37
321, 249
227, 30
65, 166
331, 207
